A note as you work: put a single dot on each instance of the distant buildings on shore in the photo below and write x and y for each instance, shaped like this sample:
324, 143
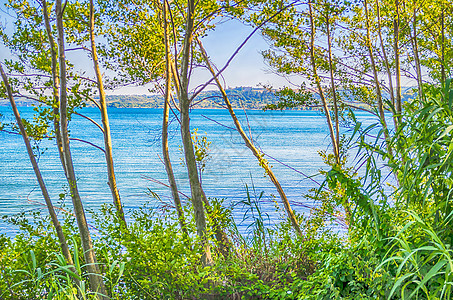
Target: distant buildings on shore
240, 97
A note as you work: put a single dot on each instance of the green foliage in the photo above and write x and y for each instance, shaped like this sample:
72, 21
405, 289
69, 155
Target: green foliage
421, 245
427, 150
292, 99
30, 68
201, 148
408, 256
397, 239
424, 259
153, 260
27, 259
159, 262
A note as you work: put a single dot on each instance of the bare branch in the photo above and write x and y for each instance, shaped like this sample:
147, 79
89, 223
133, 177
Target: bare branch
239, 49
91, 120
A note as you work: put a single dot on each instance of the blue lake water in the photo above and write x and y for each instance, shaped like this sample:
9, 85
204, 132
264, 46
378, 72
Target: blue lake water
292, 137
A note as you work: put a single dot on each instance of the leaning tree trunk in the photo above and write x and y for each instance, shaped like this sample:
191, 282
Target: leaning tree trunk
195, 187
96, 282
165, 152
105, 124
42, 185
257, 153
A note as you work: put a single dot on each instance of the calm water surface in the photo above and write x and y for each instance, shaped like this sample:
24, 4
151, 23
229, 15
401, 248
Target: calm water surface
292, 137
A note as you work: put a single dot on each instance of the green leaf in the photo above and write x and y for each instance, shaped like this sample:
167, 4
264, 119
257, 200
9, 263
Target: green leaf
432, 272
398, 283
447, 131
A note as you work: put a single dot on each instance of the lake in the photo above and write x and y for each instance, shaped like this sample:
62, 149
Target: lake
292, 137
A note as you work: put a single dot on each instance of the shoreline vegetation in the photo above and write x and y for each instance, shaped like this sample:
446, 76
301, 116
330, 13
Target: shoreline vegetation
241, 98
247, 97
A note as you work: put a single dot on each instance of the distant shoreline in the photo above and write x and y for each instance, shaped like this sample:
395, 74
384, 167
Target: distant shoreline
19, 104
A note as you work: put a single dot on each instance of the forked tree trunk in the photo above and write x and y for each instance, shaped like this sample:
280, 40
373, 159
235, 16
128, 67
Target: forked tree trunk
191, 164
165, 152
42, 185
257, 153
95, 278
105, 124
222, 239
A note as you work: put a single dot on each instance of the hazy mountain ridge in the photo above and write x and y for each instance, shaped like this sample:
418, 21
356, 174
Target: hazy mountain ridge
240, 97
247, 97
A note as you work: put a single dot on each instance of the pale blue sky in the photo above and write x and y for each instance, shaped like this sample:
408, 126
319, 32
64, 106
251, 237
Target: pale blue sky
247, 69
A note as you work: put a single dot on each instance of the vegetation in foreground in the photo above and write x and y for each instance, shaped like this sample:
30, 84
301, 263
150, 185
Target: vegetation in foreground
396, 246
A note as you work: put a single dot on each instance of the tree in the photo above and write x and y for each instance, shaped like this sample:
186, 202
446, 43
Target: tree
140, 56
43, 55
42, 185
184, 104
137, 51
249, 143
96, 281
169, 64
105, 121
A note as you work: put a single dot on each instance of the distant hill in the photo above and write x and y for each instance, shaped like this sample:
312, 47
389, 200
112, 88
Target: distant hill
247, 97
240, 97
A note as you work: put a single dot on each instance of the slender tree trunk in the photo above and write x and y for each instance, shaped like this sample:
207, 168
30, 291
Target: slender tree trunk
386, 62
195, 187
323, 98
442, 24
263, 163
56, 109
396, 25
165, 152
416, 54
55, 84
334, 92
42, 185
96, 282
221, 237
318, 83
105, 124
377, 84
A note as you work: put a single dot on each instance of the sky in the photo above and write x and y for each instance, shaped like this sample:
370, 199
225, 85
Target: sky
248, 67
